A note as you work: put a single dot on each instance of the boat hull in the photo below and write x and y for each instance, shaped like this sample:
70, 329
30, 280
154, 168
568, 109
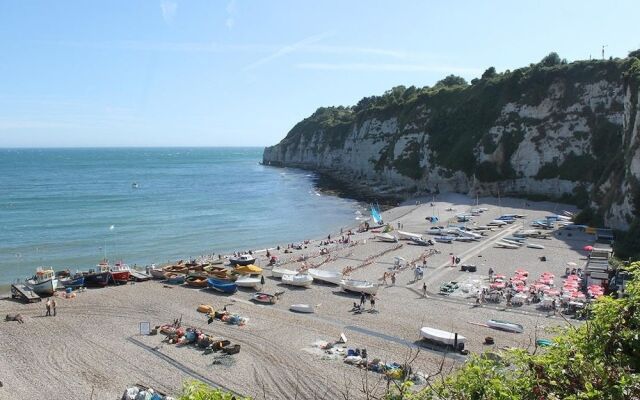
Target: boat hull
224, 287
325, 276
157, 273
301, 308
45, 288
280, 272
359, 287
97, 279
120, 277
241, 262
73, 282
247, 282
303, 280
505, 326
442, 338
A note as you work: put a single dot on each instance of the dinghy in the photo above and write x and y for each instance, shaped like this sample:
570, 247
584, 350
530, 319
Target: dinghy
297, 280
196, 281
442, 337
352, 285
496, 222
301, 308
408, 235
507, 245
421, 242
248, 281
444, 239
516, 243
325, 276
535, 246
222, 286
385, 237
266, 298
174, 278
156, 273
279, 272
505, 326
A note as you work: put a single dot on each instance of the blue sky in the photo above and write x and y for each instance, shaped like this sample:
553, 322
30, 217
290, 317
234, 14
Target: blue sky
222, 73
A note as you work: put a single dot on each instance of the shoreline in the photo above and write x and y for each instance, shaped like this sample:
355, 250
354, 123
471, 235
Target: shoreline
277, 345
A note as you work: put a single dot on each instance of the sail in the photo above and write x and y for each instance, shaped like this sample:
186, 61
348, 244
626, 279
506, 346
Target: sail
375, 214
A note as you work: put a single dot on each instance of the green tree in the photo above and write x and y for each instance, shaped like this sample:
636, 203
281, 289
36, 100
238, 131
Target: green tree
452, 80
551, 59
489, 73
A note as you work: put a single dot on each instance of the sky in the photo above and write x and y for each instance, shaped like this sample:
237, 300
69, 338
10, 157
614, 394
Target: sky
242, 73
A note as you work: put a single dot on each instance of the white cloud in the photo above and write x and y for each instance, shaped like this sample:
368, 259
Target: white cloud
381, 67
169, 10
287, 50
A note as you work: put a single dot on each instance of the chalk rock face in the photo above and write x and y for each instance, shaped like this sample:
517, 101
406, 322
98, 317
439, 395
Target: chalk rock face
567, 131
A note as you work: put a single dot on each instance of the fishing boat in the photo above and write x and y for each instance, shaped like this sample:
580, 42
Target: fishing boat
325, 276
444, 239
222, 286
249, 281
242, 259
353, 285
248, 270
196, 281
101, 276
175, 278
301, 308
505, 326
75, 281
44, 283
297, 280
443, 338
504, 245
385, 237
120, 273
279, 272
535, 246
266, 298
408, 235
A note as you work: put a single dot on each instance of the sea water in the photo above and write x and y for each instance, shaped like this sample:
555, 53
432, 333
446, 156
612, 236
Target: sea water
69, 208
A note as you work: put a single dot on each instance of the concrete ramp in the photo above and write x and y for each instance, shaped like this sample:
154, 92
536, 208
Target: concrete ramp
24, 293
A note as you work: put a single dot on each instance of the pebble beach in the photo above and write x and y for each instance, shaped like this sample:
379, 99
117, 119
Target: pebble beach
93, 347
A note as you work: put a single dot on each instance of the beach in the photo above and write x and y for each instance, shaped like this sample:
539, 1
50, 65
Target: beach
93, 347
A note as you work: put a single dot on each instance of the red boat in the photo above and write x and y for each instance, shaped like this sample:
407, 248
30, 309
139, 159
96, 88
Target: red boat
120, 273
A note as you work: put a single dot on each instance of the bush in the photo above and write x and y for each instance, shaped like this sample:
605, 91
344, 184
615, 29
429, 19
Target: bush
196, 390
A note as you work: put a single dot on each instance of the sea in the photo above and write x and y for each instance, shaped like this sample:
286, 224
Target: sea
70, 208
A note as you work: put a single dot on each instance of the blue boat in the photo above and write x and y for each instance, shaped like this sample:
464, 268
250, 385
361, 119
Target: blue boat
73, 282
222, 286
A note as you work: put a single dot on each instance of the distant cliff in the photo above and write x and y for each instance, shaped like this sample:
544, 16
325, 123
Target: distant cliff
552, 129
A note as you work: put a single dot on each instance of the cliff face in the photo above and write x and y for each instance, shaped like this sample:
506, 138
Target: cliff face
567, 131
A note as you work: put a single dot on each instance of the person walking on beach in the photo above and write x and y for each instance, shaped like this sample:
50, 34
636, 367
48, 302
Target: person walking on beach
393, 279
363, 299
490, 274
48, 305
372, 300
424, 289
53, 306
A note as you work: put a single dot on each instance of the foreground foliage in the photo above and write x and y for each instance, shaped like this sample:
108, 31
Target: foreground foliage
196, 390
598, 360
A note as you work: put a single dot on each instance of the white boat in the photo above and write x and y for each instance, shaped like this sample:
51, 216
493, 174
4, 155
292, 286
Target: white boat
325, 276
408, 235
535, 246
242, 260
444, 239
513, 242
354, 285
297, 280
442, 337
44, 282
505, 326
301, 308
385, 237
422, 242
156, 273
247, 281
466, 233
507, 245
496, 222
278, 272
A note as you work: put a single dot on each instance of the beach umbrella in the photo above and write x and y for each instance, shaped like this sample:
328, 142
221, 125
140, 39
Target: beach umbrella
587, 248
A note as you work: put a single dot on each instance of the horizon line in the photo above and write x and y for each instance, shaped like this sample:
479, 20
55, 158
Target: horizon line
127, 147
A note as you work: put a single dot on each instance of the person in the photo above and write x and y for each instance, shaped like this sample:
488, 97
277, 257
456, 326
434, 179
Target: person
384, 278
48, 305
262, 280
372, 300
53, 306
424, 289
393, 278
363, 299
490, 273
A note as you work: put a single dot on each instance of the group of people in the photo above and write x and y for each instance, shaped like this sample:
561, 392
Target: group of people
391, 276
363, 302
51, 306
